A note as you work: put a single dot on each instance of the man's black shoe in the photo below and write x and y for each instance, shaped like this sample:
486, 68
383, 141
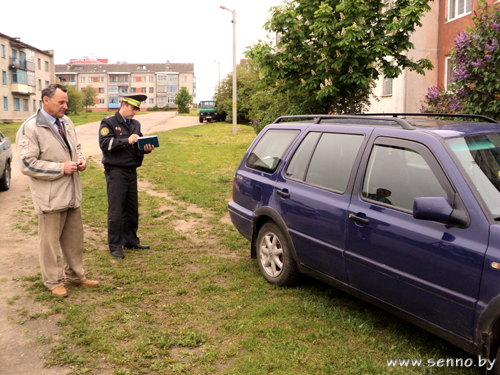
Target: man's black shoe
137, 247
117, 253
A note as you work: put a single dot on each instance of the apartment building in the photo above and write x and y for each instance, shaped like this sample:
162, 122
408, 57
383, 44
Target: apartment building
434, 41
159, 81
26, 70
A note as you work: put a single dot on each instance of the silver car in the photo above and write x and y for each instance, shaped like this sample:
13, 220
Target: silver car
5, 162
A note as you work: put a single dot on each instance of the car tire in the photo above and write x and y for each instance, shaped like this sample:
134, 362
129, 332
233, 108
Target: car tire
200, 119
5, 181
274, 256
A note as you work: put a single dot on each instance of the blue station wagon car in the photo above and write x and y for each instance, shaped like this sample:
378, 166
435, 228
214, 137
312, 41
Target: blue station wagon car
402, 211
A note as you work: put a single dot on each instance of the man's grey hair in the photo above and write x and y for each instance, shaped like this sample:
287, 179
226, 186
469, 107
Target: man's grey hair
50, 90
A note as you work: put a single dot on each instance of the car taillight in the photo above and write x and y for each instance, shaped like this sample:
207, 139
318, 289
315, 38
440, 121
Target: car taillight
234, 182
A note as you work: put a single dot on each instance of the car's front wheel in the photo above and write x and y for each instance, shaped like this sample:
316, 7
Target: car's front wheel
5, 181
275, 258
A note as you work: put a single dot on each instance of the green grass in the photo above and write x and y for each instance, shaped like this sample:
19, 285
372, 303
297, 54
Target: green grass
196, 303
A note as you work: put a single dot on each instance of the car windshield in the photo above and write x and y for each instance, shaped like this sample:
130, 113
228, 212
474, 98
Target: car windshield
207, 105
479, 155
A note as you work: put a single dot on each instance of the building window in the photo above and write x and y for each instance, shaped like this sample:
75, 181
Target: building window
72, 79
101, 101
143, 79
113, 90
458, 8
101, 79
34, 105
17, 104
4, 77
46, 66
101, 90
25, 105
112, 78
39, 85
3, 51
39, 104
91, 79
46, 83
151, 78
39, 64
151, 90
123, 90
144, 90
82, 80
5, 103
184, 79
387, 87
172, 89
151, 101
133, 90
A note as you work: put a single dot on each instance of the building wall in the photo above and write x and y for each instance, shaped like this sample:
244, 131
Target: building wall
34, 70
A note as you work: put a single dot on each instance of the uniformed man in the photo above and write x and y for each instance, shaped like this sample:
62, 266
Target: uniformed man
121, 156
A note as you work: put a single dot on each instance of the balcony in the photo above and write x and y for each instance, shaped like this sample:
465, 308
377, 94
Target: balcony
16, 63
21, 88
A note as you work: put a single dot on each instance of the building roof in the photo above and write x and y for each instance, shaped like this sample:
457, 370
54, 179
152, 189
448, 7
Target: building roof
17, 42
125, 67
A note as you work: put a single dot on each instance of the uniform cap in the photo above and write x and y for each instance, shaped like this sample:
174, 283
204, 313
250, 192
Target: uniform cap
134, 100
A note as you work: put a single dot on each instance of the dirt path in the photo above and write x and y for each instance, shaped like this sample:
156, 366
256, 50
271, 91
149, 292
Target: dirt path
21, 347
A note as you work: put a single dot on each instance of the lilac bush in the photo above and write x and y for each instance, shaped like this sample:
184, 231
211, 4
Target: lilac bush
475, 87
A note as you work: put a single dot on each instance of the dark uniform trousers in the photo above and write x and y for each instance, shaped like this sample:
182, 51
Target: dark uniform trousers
123, 207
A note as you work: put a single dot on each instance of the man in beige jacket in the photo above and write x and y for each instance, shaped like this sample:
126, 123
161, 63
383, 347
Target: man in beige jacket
49, 153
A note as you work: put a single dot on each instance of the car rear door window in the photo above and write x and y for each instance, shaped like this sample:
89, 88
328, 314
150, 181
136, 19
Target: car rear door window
325, 160
397, 175
267, 154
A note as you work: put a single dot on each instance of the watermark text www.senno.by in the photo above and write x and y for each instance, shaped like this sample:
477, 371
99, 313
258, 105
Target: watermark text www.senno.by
442, 362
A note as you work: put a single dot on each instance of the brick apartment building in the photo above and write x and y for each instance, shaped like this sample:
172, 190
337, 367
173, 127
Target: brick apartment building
159, 81
26, 70
435, 41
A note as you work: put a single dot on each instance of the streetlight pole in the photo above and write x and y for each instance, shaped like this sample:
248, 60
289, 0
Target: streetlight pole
234, 68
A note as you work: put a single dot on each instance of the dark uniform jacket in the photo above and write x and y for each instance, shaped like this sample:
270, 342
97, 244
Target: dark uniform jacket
113, 140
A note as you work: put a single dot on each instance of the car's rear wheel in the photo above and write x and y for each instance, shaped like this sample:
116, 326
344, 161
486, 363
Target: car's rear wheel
275, 259
5, 181
200, 119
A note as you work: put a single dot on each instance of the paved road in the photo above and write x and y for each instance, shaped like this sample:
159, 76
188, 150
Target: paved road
19, 355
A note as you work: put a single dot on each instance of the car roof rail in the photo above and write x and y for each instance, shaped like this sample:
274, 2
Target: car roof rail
317, 119
479, 117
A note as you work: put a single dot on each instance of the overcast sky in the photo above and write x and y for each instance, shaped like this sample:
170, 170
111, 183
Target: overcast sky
151, 31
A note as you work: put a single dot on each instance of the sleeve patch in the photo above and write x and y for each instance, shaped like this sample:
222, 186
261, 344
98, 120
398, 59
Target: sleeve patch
104, 131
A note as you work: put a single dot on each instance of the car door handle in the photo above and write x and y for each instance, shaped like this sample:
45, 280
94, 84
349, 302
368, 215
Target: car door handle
359, 219
283, 193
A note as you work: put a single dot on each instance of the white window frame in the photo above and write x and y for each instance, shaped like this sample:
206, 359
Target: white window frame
387, 86
452, 9
447, 72
82, 79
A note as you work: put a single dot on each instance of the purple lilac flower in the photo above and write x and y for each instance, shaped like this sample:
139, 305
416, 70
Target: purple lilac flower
493, 47
432, 93
461, 41
460, 74
495, 25
479, 63
488, 57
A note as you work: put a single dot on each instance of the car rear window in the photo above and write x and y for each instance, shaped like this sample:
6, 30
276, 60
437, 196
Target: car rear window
325, 160
267, 154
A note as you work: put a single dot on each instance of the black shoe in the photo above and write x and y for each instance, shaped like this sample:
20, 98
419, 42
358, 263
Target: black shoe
117, 253
137, 247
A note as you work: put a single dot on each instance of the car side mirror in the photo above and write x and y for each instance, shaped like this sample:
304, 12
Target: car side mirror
438, 209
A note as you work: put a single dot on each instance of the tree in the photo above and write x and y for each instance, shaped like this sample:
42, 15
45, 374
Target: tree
89, 95
330, 52
75, 99
183, 100
475, 87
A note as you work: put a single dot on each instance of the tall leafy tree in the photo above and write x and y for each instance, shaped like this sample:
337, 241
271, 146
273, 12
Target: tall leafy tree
330, 52
183, 100
75, 99
475, 87
89, 94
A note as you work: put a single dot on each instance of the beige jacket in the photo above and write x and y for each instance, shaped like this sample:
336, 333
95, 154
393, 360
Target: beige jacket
42, 153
